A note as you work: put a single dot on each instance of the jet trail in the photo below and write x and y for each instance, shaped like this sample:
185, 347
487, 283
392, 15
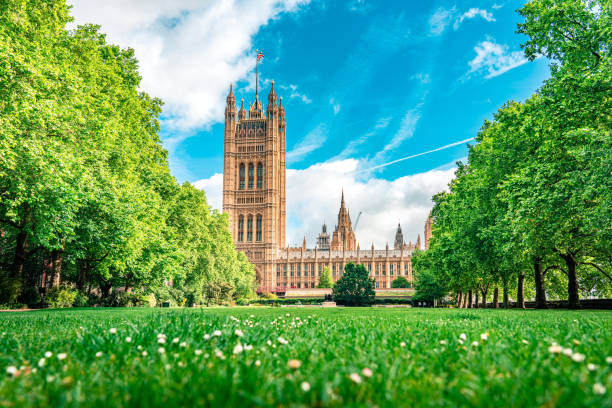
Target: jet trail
415, 155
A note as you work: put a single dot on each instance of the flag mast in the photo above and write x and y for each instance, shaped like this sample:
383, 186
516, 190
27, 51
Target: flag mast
259, 56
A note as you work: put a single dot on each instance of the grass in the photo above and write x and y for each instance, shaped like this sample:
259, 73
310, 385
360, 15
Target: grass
415, 356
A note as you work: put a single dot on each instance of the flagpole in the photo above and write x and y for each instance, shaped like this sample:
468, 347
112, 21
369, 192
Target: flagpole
256, 71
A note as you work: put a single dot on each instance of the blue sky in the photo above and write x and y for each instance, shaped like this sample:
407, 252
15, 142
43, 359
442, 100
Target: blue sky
363, 83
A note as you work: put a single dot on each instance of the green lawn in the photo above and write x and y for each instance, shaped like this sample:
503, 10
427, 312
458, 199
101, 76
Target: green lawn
344, 357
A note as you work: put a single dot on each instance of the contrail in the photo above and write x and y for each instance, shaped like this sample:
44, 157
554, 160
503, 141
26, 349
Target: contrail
415, 155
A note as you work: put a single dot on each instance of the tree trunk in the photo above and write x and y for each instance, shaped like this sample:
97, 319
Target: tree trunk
82, 276
520, 291
459, 296
56, 267
105, 288
476, 299
540, 285
506, 305
573, 298
11, 287
484, 298
496, 298
465, 301
469, 305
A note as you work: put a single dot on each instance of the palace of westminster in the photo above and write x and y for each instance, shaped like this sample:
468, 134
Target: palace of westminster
254, 167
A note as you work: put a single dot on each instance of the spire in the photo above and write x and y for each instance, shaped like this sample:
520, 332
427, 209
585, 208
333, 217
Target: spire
342, 200
272, 97
241, 113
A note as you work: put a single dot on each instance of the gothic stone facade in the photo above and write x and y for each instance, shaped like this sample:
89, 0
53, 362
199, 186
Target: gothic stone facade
254, 187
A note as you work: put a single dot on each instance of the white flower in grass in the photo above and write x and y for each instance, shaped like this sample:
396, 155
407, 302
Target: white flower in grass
484, 336
524, 341
443, 341
555, 349
11, 370
238, 349
175, 340
269, 343
609, 360
128, 339
567, 352
577, 357
181, 364
99, 354
282, 341
475, 343
197, 352
219, 354
462, 336
294, 364
403, 344
50, 378
206, 336
598, 388
217, 333
366, 372
48, 354
62, 356
287, 315
112, 330
257, 363
183, 344
238, 333
161, 335
144, 353
576, 342
355, 378
41, 362
248, 347
460, 341
591, 367
161, 350
305, 386
161, 340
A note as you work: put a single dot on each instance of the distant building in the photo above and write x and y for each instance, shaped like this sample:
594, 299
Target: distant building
254, 167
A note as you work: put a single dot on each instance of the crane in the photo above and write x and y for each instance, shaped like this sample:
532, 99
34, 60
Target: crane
357, 220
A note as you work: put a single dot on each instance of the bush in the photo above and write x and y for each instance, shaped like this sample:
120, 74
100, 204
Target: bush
61, 296
355, 287
81, 300
267, 295
30, 296
400, 282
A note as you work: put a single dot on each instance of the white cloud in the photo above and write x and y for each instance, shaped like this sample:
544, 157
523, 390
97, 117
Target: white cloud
405, 131
494, 59
294, 93
311, 142
440, 19
335, 106
313, 196
471, 13
422, 77
188, 50
213, 186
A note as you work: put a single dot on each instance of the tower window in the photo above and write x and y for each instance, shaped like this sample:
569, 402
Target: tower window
251, 175
241, 228
258, 228
250, 228
241, 176
259, 175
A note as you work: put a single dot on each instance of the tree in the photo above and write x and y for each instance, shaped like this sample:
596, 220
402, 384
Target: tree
355, 287
325, 280
400, 282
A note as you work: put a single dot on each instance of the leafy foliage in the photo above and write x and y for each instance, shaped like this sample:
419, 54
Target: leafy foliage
400, 282
325, 280
355, 287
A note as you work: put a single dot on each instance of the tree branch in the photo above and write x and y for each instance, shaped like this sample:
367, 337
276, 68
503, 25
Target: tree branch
596, 267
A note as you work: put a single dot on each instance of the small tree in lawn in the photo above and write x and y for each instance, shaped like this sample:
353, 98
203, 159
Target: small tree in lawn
325, 281
400, 282
355, 287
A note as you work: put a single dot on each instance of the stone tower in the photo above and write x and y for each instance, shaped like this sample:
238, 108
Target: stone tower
343, 237
399, 238
254, 163
323, 239
428, 225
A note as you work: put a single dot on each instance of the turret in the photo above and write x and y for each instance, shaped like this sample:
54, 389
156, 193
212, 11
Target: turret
230, 107
241, 112
272, 98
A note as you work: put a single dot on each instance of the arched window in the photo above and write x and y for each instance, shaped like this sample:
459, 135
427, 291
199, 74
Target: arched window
241, 176
258, 228
241, 228
259, 175
251, 175
250, 228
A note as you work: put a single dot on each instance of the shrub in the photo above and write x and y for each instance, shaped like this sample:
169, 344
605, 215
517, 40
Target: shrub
61, 296
267, 295
325, 281
355, 287
81, 300
30, 296
400, 282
